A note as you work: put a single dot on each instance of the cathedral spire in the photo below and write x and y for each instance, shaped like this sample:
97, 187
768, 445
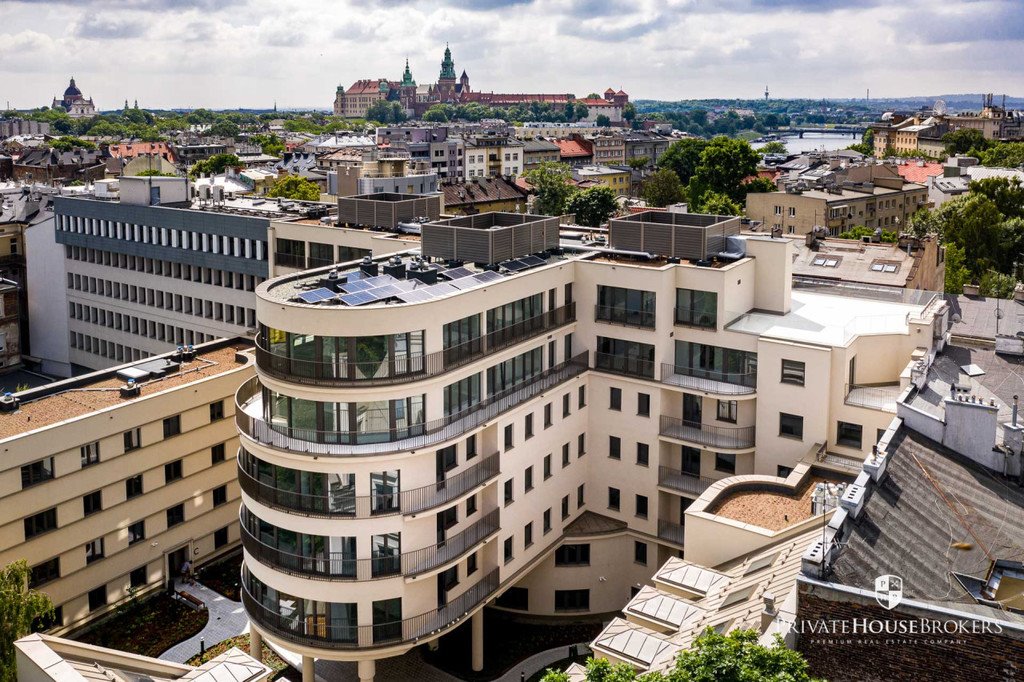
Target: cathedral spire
447, 65
407, 80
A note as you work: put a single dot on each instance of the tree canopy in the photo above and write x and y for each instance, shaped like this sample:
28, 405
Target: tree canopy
19, 608
295, 187
683, 157
773, 147
661, 188
964, 140
552, 183
724, 164
592, 206
214, 165
735, 657
67, 143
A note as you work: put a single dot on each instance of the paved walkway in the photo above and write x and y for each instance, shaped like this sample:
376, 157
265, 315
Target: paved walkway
227, 619
538, 662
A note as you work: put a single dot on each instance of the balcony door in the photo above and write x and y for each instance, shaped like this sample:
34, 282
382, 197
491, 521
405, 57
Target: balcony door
692, 409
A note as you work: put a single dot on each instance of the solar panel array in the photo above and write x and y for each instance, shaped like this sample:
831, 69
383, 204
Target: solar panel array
361, 290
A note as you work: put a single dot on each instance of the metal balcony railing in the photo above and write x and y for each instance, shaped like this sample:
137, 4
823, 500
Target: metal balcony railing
873, 397
682, 481
413, 501
709, 381
707, 435
396, 370
316, 630
251, 423
672, 532
339, 566
620, 364
693, 317
624, 316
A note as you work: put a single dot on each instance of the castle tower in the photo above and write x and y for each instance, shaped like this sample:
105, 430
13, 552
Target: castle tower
407, 90
464, 82
446, 81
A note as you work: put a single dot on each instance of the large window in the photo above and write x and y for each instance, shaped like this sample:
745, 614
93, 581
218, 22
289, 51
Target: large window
40, 523
573, 555
716, 363
696, 308
461, 395
625, 357
368, 422
572, 600
793, 372
333, 493
514, 313
290, 253
849, 435
791, 426
461, 338
340, 357
514, 371
303, 552
37, 472
44, 572
631, 307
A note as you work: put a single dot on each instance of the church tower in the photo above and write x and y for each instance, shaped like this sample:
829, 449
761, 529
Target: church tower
446, 81
407, 90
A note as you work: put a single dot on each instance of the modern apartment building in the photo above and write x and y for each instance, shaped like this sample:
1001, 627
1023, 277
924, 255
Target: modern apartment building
110, 481
510, 421
491, 155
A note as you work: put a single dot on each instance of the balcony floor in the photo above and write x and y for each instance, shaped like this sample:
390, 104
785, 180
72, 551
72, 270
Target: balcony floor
707, 385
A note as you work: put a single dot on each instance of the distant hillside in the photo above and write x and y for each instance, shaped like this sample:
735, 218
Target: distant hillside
957, 102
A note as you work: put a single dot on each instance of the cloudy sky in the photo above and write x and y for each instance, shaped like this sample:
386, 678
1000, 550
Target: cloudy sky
249, 53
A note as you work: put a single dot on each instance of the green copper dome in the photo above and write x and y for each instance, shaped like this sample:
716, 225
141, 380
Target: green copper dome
407, 76
447, 65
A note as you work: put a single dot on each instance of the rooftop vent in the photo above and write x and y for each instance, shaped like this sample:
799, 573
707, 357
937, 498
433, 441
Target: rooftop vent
131, 389
395, 267
8, 403
368, 267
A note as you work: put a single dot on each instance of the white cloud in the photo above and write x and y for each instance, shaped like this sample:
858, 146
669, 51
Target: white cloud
251, 52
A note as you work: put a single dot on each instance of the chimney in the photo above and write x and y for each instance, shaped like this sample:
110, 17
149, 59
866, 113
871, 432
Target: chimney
770, 611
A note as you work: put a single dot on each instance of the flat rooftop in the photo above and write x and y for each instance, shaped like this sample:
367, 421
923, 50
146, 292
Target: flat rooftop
771, 509
71, 398
829, 320
978, 316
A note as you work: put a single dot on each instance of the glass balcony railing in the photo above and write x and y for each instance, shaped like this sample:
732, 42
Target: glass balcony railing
317, 631
403, 369
413, 501
340, 566
625, 316
249, 418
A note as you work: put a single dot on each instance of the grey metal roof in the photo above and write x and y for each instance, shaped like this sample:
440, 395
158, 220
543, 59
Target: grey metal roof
935, 513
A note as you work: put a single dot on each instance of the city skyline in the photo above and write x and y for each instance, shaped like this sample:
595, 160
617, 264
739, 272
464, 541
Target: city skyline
251, 53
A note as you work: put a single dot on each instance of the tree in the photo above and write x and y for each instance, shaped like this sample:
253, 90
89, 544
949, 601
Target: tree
683, 157
603, 121
67, 143
964, 140
773, 147
858, 231
295, 187
997, 284
437, 113
735, 657
592, 206
269, 144
715, 203
1006, 194
629, 112
19, 608
1004, 154
724, 164
755, 185
639, 162
581, 111
662, 188
552, 183
214, 165
225, 128
957, 273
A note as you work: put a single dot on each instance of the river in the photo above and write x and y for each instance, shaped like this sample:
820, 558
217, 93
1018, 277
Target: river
818, 141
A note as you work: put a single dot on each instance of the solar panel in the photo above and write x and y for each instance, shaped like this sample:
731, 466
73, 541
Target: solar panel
533, 261
316, 295
457, 273
443, 289
353, 287
514, 265
405, 284
487, 276
386, 291
380, 280
415, 296
465, 283
358, 298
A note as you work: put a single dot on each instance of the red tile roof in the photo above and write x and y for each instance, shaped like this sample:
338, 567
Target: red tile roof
129, 150
609, 91
572, 149
911, 172
595, 102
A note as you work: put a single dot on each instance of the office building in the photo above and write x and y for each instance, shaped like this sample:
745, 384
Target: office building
110, 481
485, 423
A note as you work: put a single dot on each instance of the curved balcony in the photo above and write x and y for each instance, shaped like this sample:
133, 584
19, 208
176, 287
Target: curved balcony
400, 370
680, 481
406, 502
339, 566
709, 381
708, 435
316, 631
250, 422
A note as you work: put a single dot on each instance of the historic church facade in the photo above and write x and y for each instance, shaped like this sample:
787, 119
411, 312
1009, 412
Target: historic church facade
75, 103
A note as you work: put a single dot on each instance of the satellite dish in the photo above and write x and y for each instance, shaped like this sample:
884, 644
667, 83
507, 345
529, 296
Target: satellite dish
939, 107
